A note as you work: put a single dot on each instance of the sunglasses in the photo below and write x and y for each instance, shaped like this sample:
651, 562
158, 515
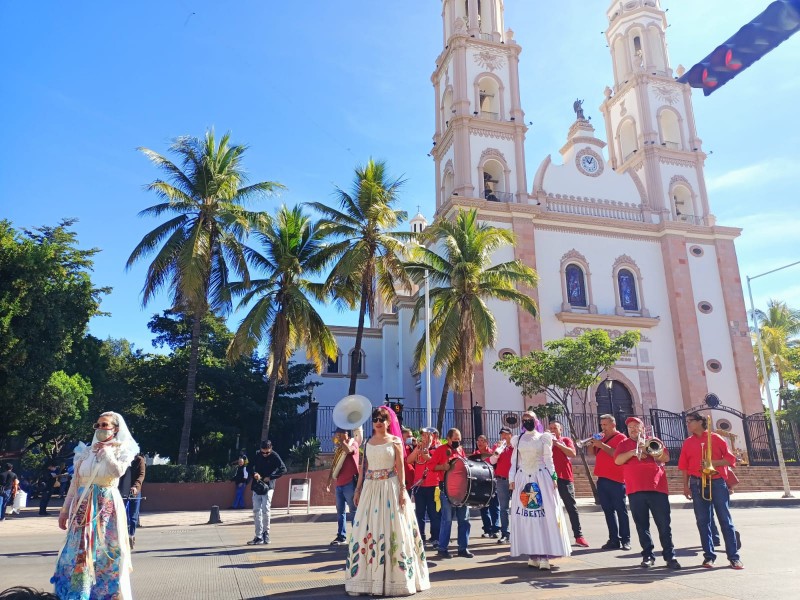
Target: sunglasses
379, 419
103, 426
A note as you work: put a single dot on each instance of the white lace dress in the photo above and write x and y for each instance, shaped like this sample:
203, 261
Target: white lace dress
385, 552
538, 526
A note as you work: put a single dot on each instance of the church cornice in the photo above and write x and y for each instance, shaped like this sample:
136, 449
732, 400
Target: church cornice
462, 40
608, 320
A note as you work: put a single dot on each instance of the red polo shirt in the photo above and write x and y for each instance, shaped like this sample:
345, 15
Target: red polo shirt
433, 477
444, 454
604, 465
503, 466
692, 453
562, 462
644, 475
349, 467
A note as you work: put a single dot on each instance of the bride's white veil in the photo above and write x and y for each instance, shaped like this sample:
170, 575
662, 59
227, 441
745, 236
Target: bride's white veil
124, 444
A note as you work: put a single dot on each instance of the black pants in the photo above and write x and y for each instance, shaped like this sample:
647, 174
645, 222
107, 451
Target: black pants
44, 501
642, 505
566, 490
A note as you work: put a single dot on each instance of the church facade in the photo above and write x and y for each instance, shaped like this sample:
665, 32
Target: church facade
619, 229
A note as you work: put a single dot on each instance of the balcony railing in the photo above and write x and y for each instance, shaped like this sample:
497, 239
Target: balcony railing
489, 116
692, 219
590, 207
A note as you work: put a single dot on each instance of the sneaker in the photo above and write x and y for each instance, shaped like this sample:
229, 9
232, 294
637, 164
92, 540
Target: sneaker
485, 535
648, 562
337, 541
737, 564
255, 541
581, 541
738, 540
708, 563
626, 545
265, 539
444, 554
544, 564
673, 564
465, 553
609, 545
494, 535
533, 562
503, 539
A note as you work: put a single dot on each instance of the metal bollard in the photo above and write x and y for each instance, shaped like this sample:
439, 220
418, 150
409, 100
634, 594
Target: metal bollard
214, 518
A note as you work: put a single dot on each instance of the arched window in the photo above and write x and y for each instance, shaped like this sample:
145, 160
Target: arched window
357, 362
628, 298
670, 129
576, 286
334, 365
627, 139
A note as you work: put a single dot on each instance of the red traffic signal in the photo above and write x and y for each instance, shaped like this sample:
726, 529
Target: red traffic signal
768, 30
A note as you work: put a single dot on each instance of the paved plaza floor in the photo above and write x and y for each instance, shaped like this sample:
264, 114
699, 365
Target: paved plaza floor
179, 556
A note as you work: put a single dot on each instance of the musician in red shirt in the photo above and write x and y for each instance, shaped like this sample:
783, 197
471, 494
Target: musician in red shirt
443, 457
344, 471
501, 460
646, 484
563, 453
426, 483
691, 461
611, 485
490, 515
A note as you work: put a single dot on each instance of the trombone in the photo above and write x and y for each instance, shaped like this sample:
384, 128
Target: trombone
649, 444
708, 470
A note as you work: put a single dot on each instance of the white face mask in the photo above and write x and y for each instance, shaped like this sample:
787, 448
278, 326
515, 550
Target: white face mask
105, 434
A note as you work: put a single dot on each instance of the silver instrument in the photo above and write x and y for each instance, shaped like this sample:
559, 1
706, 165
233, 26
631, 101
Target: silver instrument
589, 440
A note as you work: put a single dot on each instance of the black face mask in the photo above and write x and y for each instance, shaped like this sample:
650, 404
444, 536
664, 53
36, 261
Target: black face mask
455, 444
529, 425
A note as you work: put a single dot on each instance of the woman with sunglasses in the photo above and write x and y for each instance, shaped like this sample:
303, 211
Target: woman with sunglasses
538, 528
95, 561
385, 552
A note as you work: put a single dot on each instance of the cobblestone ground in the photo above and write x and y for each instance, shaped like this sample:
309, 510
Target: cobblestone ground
179, 556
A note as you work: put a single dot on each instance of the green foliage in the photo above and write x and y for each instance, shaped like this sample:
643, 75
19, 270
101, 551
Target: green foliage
305, 455
46, 300
568, 367
546, 411
180, 474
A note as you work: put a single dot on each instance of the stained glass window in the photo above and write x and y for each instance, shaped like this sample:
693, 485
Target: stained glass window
576, 286
627, 290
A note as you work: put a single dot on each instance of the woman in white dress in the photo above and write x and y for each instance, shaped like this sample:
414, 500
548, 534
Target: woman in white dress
95, 561
385, 555
538, 528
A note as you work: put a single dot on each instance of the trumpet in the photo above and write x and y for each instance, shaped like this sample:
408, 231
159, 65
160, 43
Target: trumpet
589, 440
708, 470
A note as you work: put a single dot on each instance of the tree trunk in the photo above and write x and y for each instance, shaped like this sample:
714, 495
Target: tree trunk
273, 384
191, 385
442, 407
359, 336
583, 459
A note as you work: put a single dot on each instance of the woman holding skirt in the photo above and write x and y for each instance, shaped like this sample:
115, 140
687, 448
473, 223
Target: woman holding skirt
538, 527
385, 552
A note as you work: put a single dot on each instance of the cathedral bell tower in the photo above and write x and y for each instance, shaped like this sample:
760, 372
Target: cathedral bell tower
649, 117
478, 147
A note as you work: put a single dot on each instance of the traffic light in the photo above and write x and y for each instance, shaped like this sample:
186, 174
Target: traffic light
768, 30
397, 407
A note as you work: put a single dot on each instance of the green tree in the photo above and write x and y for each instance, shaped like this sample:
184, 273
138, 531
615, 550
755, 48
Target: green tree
282, 314
202, 241
46, 300
462, 281
566, 370
369, 250
778, 326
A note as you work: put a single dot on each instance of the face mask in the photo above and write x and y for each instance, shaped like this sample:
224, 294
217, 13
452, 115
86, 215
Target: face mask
455, 444
105, 434
529, 425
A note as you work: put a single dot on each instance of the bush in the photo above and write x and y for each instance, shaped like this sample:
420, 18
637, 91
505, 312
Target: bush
304, 456
179, 474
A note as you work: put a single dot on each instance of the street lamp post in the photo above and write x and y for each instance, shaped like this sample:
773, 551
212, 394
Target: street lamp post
609, 383
787, 491
427, 350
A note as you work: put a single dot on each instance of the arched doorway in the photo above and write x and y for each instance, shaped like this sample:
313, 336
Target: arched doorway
614, 398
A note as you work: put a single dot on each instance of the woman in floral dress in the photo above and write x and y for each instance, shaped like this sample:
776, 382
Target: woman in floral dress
385, 552
95, 563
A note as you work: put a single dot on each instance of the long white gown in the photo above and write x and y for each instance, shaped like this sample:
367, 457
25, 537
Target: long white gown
538, 526
385, 552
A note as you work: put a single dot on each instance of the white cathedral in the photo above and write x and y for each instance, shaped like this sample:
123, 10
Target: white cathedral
620, 231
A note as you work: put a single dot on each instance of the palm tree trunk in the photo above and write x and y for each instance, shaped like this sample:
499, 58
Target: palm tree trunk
442, 407
191, 386
356, 355
273, 384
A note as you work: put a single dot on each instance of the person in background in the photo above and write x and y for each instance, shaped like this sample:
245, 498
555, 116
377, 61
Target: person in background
267, 467
7, 479
130, 484
47, 483
240, 481
501, 460
563, 453
611, 485
490, 515
344, 471
409, 443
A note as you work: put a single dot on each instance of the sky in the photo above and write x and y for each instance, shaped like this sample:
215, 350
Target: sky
315, 88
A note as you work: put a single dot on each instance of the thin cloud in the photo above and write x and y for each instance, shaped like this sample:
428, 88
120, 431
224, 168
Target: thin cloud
757, 174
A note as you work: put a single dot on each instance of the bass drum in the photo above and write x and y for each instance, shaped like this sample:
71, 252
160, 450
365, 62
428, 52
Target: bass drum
469, 483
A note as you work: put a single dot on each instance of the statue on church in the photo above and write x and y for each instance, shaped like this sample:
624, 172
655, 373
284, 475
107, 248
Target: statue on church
577, 106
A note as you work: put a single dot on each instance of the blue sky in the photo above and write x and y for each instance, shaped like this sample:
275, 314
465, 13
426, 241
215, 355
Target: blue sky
316, 87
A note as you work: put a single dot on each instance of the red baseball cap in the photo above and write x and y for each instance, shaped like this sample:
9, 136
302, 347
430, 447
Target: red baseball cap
630, 420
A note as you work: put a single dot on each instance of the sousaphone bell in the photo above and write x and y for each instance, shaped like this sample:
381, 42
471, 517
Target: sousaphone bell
351, 411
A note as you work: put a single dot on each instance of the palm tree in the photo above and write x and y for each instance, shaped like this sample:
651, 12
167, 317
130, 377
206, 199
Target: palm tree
203, 239
778, 326
462, 281
369, 253
282, 316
